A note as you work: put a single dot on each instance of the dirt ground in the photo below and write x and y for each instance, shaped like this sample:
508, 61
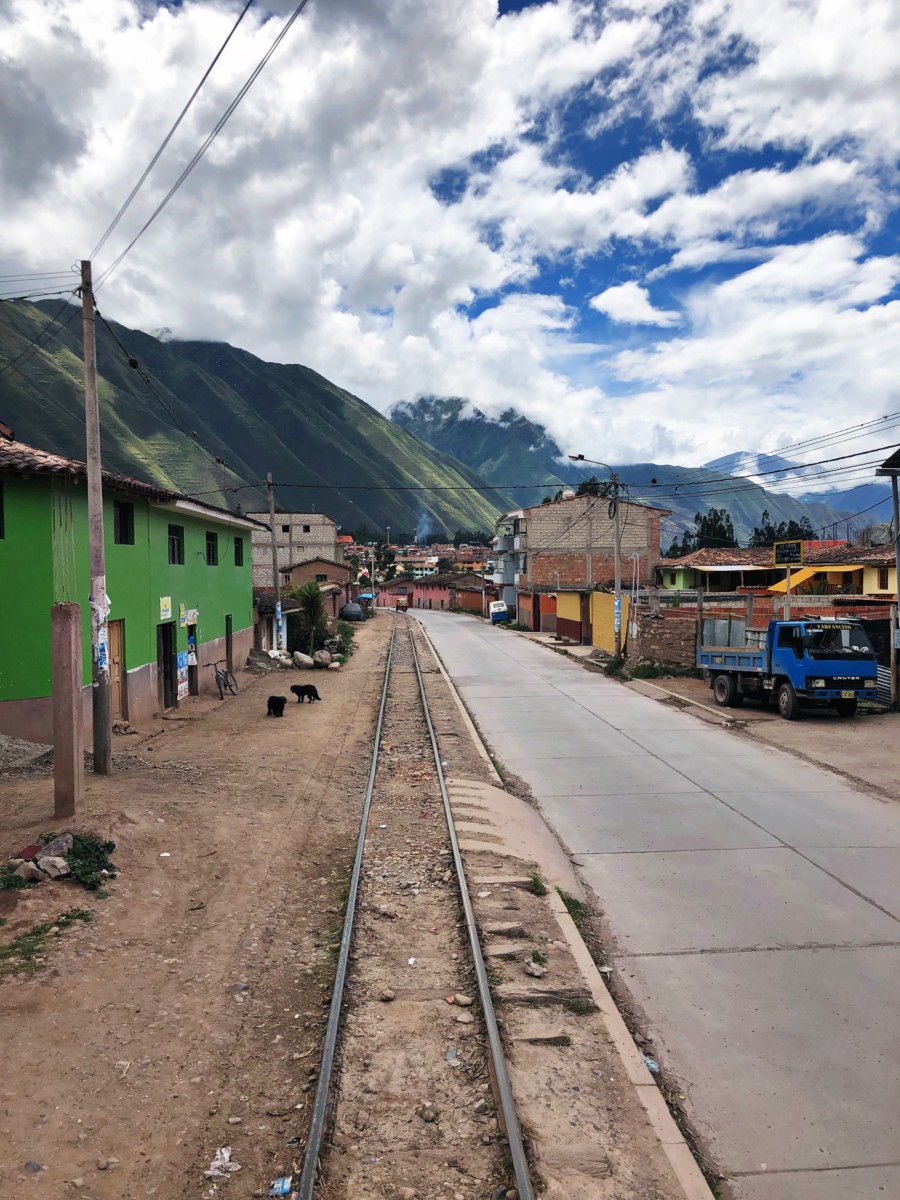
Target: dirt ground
864, 750
187, 1015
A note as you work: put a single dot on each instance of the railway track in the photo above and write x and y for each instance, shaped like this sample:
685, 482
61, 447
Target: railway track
413, 1096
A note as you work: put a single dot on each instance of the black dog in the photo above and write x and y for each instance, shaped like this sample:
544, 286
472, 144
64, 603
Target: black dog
276, 706
305, 689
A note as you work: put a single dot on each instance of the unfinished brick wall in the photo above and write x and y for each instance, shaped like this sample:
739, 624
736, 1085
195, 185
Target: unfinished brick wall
668, 637
558, 537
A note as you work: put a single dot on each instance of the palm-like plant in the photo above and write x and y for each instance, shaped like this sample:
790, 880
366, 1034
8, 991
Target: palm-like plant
312, 614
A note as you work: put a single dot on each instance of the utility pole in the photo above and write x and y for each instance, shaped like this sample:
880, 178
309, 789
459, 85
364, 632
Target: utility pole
276, 579
99, 601
617, 617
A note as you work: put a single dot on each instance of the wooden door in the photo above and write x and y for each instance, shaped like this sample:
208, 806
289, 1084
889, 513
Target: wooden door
166, 672
118, 698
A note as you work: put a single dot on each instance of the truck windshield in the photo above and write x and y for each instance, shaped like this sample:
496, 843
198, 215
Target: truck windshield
838, 641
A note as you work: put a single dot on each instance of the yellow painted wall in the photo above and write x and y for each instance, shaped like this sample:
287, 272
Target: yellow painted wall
603, 621
568, 606
870, 582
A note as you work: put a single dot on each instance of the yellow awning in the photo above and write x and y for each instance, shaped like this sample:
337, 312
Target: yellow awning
806, 573
796, 577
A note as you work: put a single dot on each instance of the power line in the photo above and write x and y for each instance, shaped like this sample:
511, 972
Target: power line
172, 412
155, 159
210, 138
34, 343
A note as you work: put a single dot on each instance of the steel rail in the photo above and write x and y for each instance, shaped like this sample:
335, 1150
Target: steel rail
507, 1102
309, 1171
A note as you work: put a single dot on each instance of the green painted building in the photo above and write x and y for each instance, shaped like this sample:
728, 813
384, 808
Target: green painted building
178, 577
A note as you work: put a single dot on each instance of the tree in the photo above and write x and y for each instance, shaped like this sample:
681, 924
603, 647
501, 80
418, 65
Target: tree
592, 486
685, 545
765, 533
714, 529
444, 566
385, 560
471, 537
312, 623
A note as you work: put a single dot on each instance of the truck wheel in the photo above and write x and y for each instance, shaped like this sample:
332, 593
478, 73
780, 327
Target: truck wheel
788, 704
724, 690
845, 708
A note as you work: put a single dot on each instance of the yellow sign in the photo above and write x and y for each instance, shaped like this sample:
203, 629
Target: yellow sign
165, 608
182, 619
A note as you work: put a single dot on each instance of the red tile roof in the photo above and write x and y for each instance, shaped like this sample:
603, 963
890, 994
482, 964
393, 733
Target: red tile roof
27, 460
761, 556
23, 459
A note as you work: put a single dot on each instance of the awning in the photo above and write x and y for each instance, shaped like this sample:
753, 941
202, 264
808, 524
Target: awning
807, 573
800, 576
364, 596
730, 567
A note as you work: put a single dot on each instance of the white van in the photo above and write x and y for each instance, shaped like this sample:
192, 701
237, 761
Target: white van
498, 612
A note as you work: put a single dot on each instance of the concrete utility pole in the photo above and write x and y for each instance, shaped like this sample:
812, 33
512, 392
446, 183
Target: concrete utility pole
68, 733
617, 617
276, 578
99, 601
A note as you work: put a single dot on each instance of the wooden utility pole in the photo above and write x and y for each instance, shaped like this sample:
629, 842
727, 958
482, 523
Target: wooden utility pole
99, 600
276, 579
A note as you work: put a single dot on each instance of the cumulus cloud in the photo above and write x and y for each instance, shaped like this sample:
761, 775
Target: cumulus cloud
630, 304
425, 198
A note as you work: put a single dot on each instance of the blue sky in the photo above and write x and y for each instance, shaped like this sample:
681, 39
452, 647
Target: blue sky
666, 231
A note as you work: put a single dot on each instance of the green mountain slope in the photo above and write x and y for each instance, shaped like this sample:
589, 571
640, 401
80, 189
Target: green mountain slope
327, 450
511, 451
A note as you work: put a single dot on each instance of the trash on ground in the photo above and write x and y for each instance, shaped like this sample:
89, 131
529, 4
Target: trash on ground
222, 1166
651, 1064
282, 1186
411, 962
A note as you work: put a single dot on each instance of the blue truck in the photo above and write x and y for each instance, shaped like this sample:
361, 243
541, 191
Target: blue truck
808, 662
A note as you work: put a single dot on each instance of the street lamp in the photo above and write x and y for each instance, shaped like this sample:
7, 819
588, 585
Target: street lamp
614, 513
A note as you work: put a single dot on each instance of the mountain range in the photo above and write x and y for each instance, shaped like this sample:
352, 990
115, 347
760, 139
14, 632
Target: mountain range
521, 459
328, 451
210, 420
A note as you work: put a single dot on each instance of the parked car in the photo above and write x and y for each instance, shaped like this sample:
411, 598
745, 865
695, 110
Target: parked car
498, 612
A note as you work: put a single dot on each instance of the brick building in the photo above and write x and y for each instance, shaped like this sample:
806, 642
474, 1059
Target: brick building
571, 543
298, 536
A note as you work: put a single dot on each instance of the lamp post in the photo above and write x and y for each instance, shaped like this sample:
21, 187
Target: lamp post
617, 544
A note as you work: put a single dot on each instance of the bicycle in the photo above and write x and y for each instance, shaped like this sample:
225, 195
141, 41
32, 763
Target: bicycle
224, 679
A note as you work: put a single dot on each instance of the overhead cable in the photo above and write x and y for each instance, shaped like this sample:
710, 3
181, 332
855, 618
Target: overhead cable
155, 159
210, 138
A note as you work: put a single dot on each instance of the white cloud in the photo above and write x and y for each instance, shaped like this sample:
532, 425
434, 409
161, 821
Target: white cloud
394, 199
630, 304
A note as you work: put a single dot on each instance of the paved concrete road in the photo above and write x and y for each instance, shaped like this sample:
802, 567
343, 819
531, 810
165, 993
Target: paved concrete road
755, 901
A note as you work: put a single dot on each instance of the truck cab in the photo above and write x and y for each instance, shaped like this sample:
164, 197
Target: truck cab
807, 662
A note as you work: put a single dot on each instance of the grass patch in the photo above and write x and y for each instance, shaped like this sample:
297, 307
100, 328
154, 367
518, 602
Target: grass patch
515, 626
537, 957
538, 887
576, 910
615, 668
24, 953
87, 858
663, 671
580, 1008
10, 881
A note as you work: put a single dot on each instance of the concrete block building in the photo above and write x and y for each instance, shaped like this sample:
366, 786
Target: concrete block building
299, 537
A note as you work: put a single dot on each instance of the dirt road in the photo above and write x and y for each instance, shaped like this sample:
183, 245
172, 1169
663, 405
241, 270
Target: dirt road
186, 1015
